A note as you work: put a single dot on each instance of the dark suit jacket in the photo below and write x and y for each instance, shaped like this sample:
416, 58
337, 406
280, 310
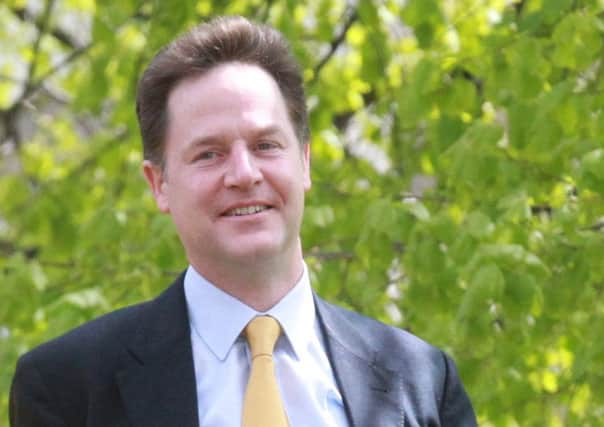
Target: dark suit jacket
134, 367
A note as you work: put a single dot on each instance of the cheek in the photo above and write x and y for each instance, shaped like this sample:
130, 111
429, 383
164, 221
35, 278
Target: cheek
192, 187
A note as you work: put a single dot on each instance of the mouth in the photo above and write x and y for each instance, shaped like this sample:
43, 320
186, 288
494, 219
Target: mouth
246, 210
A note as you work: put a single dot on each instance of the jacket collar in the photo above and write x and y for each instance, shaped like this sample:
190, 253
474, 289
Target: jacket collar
372, 393
157, 384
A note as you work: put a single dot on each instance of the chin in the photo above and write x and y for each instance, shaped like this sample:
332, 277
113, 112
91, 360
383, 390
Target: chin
255, 252
264, 248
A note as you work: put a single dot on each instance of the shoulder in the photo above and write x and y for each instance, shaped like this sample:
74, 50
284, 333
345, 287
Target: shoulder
52, 383
433, 388
395, 347
99, 343
60, 379
92, 342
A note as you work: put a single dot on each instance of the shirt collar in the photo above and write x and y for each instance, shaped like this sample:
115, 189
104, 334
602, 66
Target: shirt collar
218, 318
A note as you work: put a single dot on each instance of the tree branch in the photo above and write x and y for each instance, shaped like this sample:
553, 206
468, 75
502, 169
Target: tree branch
10, 116
334, 45
35, 86
42, 28
330, 256
8, 248
84, 166
57, 33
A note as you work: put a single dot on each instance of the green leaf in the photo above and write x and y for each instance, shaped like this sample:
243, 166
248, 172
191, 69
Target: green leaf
87, 298
479, 225
577, 41
591, 175
488, 113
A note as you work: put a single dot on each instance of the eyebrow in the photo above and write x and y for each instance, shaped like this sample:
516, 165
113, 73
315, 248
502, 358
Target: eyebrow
269, 130
210, 139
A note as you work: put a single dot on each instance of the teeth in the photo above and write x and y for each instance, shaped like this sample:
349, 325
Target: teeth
248, 210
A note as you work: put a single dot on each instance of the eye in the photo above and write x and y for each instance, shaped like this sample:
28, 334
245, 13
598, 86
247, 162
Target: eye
266, 145
207, 155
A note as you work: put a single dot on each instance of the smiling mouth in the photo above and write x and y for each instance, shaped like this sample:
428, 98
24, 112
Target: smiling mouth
247, 210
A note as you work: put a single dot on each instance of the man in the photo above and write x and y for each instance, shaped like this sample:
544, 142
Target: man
224, 128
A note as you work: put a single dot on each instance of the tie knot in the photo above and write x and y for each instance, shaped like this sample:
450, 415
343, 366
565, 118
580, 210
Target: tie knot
262, 333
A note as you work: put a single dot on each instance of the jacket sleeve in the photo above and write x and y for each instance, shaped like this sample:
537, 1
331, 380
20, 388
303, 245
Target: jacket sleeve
31, 403
455, 407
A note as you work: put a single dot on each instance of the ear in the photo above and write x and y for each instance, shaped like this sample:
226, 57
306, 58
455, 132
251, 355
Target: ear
306, 165
156, 178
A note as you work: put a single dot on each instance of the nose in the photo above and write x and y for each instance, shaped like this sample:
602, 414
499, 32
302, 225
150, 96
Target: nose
242, 170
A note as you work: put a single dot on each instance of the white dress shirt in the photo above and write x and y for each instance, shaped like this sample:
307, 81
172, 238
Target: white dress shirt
222, 360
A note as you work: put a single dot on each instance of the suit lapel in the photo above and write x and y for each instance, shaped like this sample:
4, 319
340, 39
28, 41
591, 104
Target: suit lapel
372, 393
157, 384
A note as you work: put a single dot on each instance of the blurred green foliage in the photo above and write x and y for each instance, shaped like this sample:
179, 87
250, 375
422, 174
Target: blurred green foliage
458, 179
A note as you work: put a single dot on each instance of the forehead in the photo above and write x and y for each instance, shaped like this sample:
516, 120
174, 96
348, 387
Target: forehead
225, 87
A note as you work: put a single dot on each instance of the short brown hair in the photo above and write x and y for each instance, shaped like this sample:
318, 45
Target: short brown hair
224, 39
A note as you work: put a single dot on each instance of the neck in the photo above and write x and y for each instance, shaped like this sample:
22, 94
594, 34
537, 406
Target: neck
258, 283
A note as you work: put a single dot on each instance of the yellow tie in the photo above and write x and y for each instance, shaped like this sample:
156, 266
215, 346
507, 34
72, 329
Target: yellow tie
262, 404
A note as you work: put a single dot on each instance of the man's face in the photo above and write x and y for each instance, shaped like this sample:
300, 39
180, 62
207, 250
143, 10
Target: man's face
235, 174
